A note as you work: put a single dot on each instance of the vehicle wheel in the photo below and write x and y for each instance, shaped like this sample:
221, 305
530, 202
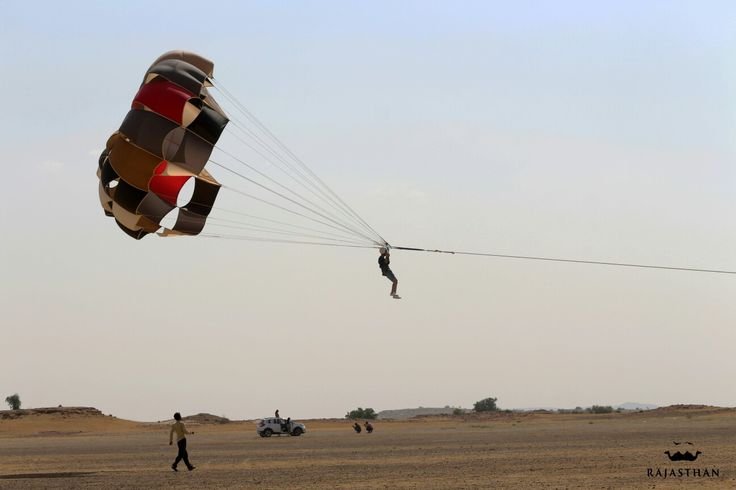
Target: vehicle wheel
267, 433
297, 432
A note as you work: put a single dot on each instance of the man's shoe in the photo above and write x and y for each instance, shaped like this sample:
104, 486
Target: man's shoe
395, 296
191, 468
173, 467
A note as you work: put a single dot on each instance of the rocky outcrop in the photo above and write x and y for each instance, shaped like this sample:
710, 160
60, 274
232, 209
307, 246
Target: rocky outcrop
61, 411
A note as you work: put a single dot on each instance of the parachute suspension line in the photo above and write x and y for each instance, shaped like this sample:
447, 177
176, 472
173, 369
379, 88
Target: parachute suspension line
296, 213
288, 152
305, 181
243, 127
285, 171
296, 231
282, 158
258, 229
288, 199
269, 240
340, 227
280, 231
275, 182
290, 171
327, 201
351, 234
290, 225
574, 261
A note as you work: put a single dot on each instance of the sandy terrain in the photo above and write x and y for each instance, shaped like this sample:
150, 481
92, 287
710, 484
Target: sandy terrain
82, 450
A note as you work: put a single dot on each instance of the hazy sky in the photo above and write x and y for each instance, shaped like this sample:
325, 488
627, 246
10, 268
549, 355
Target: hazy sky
592, 130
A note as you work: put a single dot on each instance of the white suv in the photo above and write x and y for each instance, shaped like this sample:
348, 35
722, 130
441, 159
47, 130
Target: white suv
270, 426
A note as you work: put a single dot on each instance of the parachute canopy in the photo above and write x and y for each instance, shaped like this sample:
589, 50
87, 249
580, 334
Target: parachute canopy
163, 149
165, 140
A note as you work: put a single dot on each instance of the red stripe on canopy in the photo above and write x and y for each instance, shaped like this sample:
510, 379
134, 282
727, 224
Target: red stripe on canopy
167, 187
163, 97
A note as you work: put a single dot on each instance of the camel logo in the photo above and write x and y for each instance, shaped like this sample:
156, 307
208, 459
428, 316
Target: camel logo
683, 452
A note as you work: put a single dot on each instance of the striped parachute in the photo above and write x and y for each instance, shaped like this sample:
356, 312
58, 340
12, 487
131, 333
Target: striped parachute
164, 148
164, 141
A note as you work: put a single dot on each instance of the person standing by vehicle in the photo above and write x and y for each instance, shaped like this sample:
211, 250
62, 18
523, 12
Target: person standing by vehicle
181, 441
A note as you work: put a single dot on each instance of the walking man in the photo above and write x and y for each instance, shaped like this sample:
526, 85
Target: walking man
181, 441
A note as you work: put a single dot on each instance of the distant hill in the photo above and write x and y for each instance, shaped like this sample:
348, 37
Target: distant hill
537, 409
93, 413
407, 413
636, 406
623, 406
61, 421
205, 418
58, 411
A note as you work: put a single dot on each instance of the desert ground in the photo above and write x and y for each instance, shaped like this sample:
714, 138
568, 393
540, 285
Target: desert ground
78, 448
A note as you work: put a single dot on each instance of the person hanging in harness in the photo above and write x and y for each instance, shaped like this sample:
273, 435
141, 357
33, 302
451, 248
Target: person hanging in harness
383, 262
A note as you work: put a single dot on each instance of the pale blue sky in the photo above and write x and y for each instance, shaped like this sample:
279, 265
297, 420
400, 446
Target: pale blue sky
595, 130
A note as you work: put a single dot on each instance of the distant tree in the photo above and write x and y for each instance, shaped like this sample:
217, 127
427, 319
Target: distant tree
601, 409
361, 413
13, 401
485, 405
458, 411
